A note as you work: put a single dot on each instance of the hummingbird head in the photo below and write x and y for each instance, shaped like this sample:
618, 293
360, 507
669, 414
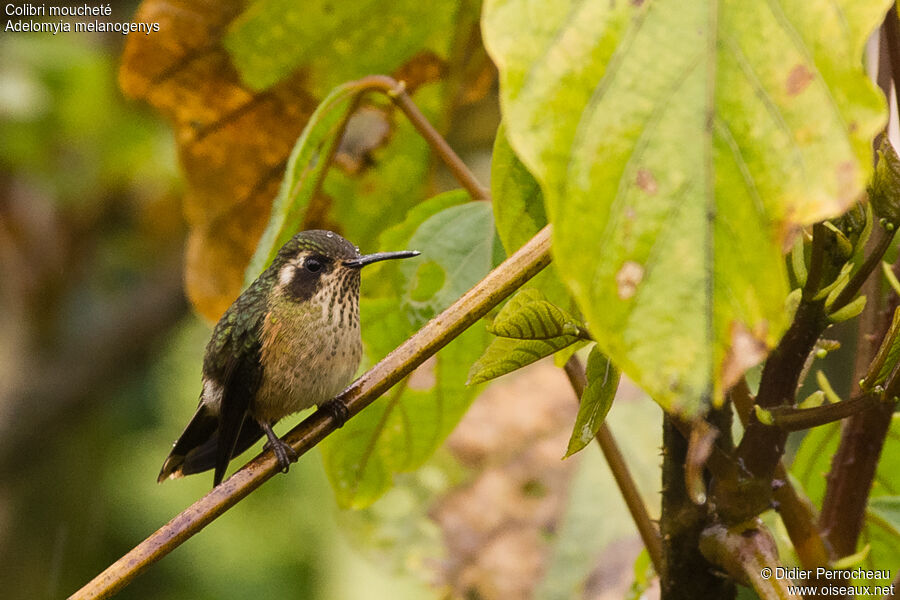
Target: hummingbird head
319, 261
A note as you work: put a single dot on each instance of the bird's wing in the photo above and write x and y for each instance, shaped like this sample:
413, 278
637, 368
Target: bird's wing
233, 360
241, 382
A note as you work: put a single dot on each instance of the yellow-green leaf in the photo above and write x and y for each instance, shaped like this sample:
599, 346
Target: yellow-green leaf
337, 41
677, 145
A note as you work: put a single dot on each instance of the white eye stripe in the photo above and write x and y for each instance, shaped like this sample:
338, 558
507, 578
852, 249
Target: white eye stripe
286, 274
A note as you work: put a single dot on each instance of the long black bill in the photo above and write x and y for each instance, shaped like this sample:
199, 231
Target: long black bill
368, 259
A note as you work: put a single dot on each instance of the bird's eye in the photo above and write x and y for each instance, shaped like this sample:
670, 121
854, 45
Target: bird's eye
313, 265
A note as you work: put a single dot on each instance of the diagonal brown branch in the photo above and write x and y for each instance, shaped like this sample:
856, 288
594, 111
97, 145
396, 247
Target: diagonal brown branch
474, 304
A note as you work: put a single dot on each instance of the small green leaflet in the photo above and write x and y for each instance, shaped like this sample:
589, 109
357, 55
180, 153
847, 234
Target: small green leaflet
528, 316
529, 328
505, 355
884, 193
888, 507
887, 357
602, 383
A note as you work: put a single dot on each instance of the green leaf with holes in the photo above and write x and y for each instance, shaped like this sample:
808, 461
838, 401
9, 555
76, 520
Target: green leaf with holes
403, 428
678, 145
602, 383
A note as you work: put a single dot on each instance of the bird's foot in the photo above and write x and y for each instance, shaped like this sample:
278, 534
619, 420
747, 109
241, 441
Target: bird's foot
283, 452
338, 411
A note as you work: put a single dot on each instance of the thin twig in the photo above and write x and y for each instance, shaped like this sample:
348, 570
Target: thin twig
434, 335
627, 486
789, 418
396, 91
747, 552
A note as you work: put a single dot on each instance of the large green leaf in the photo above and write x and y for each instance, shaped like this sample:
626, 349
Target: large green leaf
402, 429
518, 202
678, 145
336, 41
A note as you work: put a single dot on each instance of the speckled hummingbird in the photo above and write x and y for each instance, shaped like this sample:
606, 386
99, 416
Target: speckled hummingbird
290, 341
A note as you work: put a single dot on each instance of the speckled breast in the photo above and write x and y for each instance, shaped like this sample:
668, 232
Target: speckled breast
311, 352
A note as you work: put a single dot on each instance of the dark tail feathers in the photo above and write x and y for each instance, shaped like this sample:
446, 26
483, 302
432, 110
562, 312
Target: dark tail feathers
195, 450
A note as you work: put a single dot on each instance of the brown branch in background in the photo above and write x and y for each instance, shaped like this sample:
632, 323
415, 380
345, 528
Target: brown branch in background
850, 479
854, 464
890, 35
627, 486
434, 335
396, 91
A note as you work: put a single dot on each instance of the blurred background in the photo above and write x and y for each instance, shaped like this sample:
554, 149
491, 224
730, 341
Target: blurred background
100, 356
